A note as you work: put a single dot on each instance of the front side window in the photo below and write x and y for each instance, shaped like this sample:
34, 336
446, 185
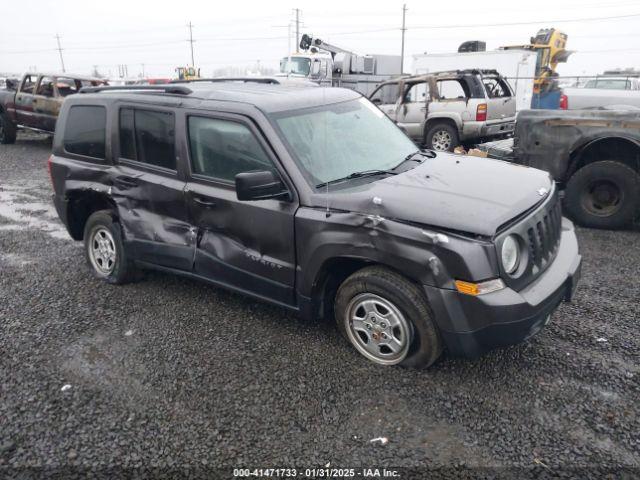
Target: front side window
221, 149
386, 94
148, 136
333, 141
84, 132
29, 84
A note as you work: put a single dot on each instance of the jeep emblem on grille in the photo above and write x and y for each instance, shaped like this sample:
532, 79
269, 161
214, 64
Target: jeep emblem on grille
542, 191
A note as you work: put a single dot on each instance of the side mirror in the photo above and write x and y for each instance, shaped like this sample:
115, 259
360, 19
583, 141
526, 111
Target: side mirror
376, 101
260, 185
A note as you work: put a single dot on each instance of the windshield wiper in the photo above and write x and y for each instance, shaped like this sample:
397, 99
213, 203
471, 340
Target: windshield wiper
412, 156
363, 173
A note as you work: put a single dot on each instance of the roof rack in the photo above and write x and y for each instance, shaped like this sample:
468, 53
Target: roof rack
268, 80
175, 89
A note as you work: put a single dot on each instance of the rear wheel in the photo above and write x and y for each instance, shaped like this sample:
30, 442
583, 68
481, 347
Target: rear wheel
387, 319
104, 249
442, 137
8, 131
603, 194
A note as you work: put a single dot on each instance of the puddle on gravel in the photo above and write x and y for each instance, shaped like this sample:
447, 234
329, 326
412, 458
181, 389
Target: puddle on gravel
24, 210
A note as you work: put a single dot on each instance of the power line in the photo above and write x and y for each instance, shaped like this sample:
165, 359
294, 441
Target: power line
506, 24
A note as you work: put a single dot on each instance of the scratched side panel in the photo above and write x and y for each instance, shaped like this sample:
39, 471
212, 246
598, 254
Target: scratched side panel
248, 245
153, 214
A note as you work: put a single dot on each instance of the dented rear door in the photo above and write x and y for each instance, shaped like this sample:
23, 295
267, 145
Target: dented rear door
247, 245
149, 190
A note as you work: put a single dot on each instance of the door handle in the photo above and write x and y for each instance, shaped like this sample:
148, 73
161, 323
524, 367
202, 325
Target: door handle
204, 203
125, 182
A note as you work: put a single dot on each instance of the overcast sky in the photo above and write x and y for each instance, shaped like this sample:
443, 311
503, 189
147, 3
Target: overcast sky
241, 33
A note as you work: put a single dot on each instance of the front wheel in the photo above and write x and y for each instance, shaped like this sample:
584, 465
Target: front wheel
387, 319
442, 137
604, 194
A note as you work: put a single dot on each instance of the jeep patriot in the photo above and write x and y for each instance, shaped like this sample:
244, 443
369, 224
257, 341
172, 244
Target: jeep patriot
312, 199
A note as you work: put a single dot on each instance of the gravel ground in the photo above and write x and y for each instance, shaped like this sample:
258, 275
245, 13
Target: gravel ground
168, 372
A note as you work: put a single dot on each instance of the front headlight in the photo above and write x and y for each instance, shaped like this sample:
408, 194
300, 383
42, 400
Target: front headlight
510, 254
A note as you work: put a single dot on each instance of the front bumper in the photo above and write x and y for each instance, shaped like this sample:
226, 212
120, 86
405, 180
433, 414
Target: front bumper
470, 325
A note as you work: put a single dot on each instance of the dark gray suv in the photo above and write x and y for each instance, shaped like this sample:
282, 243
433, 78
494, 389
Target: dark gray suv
312, 199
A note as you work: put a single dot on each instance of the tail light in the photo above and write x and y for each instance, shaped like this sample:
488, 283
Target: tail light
481, 113
564, 102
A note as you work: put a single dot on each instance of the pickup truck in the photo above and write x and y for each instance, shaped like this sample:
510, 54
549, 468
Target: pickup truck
441, 110
593, 154
36, 101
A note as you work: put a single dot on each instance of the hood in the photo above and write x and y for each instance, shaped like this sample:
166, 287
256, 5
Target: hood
456, 192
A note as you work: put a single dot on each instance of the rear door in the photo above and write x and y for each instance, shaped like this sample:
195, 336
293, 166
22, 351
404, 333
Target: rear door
45, 104
501, 104
148, 188
248, 245
412, 113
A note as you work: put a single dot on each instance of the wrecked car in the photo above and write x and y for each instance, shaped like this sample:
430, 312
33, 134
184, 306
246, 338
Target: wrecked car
313, 200
594, 155
35, 103
445, 109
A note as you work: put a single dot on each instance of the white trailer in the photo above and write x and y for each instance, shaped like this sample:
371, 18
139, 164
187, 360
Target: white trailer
517, 66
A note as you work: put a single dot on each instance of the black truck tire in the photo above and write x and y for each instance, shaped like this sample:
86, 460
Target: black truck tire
8, 130
442, 137
103, 236
604, 194
398, 314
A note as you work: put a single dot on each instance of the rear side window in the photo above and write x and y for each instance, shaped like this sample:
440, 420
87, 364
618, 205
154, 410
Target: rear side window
84, 133
221, 149
148, 136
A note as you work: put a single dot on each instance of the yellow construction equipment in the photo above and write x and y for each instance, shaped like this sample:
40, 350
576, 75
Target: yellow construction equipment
188, 73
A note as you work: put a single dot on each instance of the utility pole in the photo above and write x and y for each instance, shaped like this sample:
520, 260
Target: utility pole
60, 51
193, 63
404, 29
297, 29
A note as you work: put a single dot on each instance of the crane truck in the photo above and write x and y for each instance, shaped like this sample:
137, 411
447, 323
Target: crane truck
550, 46
330, 65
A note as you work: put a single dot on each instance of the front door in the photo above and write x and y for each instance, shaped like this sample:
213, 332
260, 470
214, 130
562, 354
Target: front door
24, 100
149, 190
247, 245
386, 98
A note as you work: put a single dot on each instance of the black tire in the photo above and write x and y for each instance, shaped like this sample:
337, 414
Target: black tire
101, 224
8, 131
603, 194
441, 131
424, 343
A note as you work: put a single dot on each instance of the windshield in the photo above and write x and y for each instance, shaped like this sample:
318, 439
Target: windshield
609, 84
296, 65
333, 141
